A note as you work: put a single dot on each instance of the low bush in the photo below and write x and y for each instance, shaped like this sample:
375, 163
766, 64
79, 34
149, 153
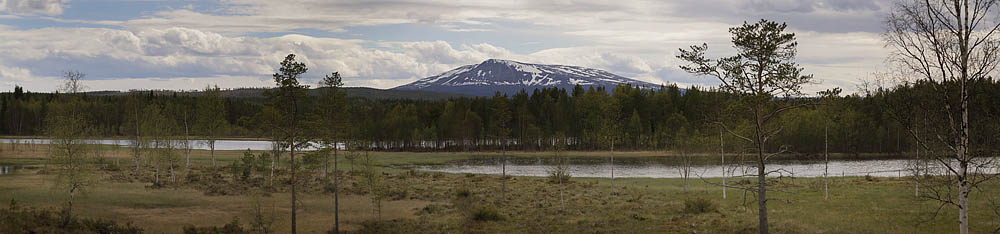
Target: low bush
31, 220
699, 206
462, 193
486, 213
233, 227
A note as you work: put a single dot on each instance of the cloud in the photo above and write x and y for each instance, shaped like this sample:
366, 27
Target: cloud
810, 6
635, 38
32, 7
162, 53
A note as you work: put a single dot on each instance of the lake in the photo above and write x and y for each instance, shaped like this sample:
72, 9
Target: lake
670, 167
199, 144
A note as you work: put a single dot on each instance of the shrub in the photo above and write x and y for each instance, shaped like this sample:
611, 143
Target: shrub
233, 227
463, 193
486, 213
559, 176
698, 206
559, 172
396, 194
412, 173
31, 220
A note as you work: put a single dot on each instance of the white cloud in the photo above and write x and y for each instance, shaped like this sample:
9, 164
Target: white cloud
635, 38
120, 57
33, 7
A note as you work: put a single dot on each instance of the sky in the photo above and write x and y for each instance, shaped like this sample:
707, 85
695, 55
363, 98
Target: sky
185, 45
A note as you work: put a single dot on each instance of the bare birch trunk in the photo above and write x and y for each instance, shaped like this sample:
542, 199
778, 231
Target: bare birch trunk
916, 175
722, 150
612, 166
211, 146
826, 163
69, 205
336, 191
292, 158
138, 142
503, 173
964, 159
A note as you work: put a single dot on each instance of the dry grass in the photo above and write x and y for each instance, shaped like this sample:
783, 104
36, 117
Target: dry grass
429, 203
168, 210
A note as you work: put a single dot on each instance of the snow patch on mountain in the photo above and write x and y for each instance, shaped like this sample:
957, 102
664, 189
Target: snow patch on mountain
497, 75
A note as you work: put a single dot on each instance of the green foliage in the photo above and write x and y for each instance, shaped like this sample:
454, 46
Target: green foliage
330, 120
462, 193
263, 219
641, 119
373, 184
245, 167
500, 121
699, 206
211, 122
559, 172
762, 68
68, 128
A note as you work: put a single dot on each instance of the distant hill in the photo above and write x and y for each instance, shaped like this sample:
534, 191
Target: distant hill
361, 92
505, 76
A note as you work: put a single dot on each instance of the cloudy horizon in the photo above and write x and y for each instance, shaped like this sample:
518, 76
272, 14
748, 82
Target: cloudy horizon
184, 45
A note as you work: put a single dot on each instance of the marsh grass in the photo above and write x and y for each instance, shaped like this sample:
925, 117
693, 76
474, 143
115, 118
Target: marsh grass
443, 203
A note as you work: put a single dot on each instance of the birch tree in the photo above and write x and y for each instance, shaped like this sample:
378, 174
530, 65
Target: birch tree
211, 117
762, 71
136, 140
73, 82
68, 127
161, 145
950, 45
832, 113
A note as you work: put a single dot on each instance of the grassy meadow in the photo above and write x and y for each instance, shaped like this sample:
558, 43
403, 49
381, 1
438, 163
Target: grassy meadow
424, 202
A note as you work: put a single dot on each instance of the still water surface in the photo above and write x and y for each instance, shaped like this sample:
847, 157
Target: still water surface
5, 169
671, 168
199, 144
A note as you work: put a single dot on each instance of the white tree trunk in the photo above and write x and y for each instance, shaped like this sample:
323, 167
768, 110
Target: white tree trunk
963, 209
503, 174
211, 146
826, 166
612, 167
722, 149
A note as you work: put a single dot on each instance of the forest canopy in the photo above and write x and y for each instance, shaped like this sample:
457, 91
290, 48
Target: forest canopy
645, 119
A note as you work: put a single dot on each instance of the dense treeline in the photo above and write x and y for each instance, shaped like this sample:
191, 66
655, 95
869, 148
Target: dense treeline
630, 118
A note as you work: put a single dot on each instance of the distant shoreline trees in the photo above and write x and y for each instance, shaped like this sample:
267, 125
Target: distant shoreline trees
536, 117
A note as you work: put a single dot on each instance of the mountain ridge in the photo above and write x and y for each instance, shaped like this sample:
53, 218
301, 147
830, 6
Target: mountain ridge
508, 76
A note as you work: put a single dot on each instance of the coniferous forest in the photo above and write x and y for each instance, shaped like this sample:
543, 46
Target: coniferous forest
643, 118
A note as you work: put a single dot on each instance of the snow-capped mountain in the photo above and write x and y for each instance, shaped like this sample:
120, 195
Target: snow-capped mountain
510, 77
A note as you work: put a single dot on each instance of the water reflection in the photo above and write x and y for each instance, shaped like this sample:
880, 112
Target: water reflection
4, 170
671, 168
